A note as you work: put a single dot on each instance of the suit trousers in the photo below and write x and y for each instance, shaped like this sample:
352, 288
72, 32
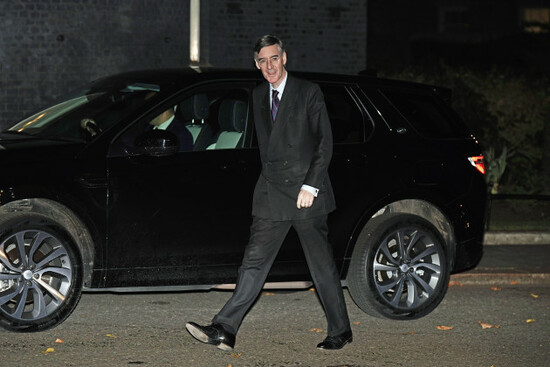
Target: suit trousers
266, 238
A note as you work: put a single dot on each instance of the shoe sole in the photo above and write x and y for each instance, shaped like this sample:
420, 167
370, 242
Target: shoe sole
202, 337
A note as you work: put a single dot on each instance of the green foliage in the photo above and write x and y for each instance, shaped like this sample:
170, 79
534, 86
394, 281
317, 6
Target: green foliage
507, 112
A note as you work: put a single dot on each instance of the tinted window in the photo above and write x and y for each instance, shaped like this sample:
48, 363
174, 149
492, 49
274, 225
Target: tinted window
217, 117
214, 118
86, 113
345, 116
428, 114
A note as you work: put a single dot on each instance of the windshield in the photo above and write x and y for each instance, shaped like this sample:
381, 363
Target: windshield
88, 112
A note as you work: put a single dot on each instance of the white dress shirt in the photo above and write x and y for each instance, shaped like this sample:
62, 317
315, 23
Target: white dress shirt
165, 124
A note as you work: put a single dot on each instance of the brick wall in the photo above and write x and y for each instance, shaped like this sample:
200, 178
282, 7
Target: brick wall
321, 35
49, 47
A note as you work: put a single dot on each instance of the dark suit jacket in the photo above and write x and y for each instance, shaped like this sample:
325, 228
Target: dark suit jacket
296, 149
185, 138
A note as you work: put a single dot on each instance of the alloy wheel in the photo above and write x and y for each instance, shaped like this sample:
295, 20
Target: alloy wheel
407, 268
35, 275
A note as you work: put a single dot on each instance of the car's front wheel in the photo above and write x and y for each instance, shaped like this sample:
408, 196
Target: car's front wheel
40, 272
399, 267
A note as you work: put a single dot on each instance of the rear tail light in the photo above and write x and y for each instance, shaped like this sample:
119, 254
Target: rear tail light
478, 162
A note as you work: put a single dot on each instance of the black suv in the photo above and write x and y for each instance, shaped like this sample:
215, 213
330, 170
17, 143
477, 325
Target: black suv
93, 198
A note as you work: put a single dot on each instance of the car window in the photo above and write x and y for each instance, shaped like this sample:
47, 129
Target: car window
345, 116
224, 124
84, 114
210, 119
428, 114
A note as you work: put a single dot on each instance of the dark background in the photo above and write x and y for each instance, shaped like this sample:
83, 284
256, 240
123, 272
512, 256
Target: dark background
49, 47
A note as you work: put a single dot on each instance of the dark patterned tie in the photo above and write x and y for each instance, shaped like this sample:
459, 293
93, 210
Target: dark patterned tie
274, 105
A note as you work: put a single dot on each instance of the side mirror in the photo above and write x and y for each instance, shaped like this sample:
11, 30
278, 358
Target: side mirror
157, 143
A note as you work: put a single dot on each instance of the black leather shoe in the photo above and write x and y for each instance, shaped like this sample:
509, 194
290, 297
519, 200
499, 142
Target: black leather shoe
336, 342
212, 334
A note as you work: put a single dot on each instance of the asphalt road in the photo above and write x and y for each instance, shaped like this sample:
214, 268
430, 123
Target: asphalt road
284, 327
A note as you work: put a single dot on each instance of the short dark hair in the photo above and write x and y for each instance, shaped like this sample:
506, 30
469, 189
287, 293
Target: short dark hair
268, 40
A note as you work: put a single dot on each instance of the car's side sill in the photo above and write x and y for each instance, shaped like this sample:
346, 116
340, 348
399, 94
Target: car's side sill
273, 285
181, 288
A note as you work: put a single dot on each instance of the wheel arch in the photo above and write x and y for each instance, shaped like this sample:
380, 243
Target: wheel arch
70, 221
420, 207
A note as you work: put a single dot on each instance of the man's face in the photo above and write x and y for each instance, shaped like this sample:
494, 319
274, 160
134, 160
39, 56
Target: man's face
157, 120
271, 63
162, 117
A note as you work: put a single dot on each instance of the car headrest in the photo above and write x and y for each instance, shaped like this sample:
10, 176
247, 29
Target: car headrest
195, 107
232, 115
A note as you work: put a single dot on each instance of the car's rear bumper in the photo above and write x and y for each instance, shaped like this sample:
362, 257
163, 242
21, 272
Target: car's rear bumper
468, 254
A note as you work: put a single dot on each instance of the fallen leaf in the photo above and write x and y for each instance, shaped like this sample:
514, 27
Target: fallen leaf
236, 355
111, 336
485, 325
316, 330
411, 333
49, 350
534, 295
455, 283
514, 282
530, 321
356, 323
496, 288
268, 294
312, 289
59, 341
443, 327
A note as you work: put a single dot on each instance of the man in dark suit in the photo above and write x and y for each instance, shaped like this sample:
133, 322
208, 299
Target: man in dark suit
169, 122
295, 141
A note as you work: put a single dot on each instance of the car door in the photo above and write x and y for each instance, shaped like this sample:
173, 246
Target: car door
183, 218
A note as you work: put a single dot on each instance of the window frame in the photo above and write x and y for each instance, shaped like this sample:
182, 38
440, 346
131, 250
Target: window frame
355, 103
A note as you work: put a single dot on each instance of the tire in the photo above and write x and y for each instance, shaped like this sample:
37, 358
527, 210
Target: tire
399, 268
40, 272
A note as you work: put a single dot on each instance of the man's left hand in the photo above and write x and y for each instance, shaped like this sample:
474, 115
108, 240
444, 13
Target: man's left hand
305, 199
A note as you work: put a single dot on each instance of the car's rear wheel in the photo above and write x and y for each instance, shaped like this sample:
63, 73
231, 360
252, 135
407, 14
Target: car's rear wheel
399, 268
40, 272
